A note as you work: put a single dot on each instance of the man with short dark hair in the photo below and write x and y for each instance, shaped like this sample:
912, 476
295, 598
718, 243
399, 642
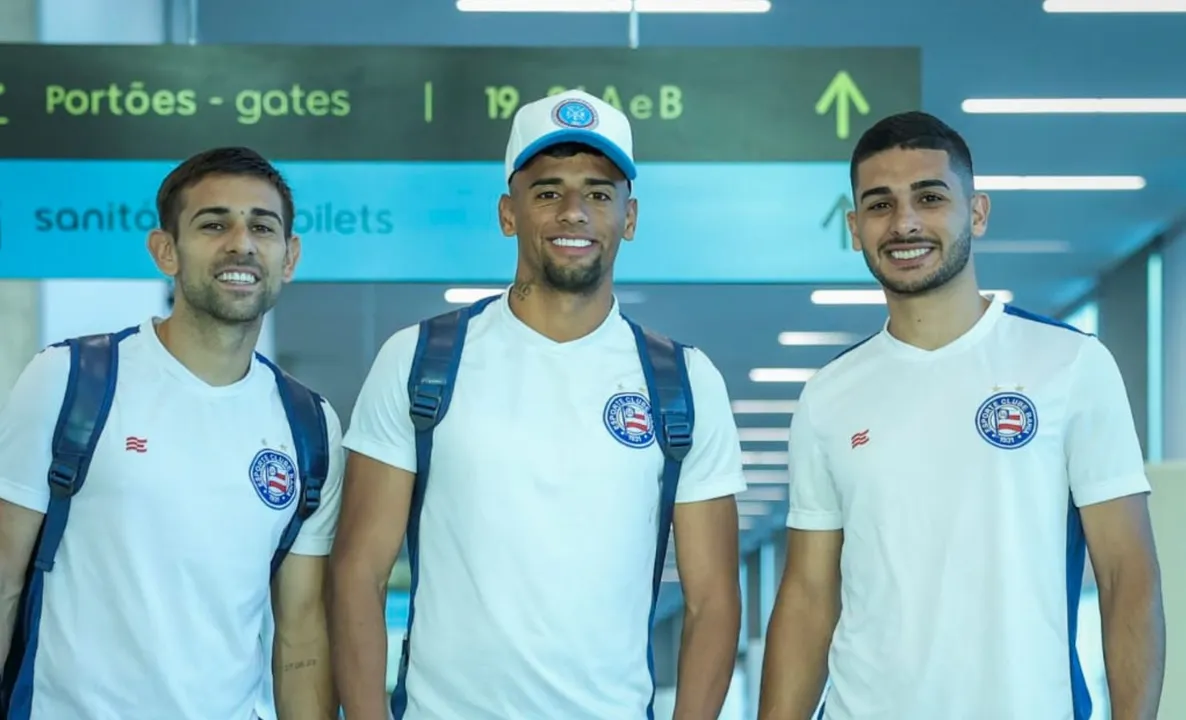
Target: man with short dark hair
154, 604
536, 541
949, 476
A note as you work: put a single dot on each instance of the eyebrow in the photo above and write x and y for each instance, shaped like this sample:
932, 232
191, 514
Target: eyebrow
595, 181
915, 186
255, 212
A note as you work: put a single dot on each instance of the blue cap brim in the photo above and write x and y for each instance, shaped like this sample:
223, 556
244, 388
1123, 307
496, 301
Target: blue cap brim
584, 137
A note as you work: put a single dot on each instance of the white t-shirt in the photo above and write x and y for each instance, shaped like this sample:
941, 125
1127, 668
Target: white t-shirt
540, 521
955, 475
160, 592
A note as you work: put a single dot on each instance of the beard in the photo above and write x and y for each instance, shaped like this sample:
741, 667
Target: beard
955, 259
577, 279
206, 297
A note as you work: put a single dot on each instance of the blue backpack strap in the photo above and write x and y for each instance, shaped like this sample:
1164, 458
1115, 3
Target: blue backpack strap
430, 390
665, 369
90, 390
86, 404
310, 439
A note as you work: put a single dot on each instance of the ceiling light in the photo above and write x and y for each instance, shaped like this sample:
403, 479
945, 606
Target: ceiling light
817, 338
467, 295
1022, 106
615, 6
1059, 182
781, 375
764, 407
764, 434
764, 458
875, 297
1004, 247
765, 494
765, 477
1114, 6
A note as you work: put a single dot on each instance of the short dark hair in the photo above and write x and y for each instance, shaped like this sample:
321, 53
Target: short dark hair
570, 149
914, 131
240, 161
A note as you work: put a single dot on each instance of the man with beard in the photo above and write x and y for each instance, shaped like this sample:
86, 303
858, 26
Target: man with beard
534, 546
156, 601
948, 477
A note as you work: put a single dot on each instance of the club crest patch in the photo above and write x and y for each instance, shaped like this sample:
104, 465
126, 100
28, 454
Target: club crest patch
274, 477
1007, 420
576, 114
628, 418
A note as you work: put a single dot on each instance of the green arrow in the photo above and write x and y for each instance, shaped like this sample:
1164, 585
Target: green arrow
839, 212
844, 94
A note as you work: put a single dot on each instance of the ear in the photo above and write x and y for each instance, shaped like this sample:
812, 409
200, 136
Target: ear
506, 216
631, 219
980, 209
163, 249
851, 217
291, 256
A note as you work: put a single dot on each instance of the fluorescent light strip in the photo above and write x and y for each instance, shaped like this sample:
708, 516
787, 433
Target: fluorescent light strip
764, 407
1060, 182
1154, 355
616, 6
781, 375
1114, 6
767, 434
764, 458
1021, 247
875, 297
465, 296
1053, 106
766, 477
765, 493
817, 338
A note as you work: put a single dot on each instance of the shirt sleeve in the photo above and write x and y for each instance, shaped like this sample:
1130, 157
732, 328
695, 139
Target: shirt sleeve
381, 426
814, 502
317, 532
27, 422
712, 468
1104, 458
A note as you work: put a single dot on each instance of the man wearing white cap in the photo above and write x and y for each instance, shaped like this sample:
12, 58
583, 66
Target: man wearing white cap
536, 545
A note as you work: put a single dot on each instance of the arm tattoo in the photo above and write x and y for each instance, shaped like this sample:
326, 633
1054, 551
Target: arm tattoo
299, 664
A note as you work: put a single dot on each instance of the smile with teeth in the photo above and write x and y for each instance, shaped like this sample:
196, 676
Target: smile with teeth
571, 242
238, 278
911, 254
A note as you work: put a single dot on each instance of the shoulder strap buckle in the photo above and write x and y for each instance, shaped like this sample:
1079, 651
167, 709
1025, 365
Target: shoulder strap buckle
63, 477
427, 401
678, 433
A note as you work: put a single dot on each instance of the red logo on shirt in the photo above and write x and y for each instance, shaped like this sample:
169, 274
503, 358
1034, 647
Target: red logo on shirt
135, 444
859, 439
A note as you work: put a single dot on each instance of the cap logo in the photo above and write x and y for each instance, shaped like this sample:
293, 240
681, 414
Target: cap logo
576, 114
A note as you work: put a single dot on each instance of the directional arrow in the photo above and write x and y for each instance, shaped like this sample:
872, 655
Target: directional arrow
3, 120
838, 214
843, 94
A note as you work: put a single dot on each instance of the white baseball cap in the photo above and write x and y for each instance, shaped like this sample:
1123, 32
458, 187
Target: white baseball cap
571, 116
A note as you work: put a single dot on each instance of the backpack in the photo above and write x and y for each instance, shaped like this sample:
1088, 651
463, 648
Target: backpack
431, 380
90, 390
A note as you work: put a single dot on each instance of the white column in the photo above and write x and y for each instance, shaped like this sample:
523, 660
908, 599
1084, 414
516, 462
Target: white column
80, 307
1173, 259
18, 299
